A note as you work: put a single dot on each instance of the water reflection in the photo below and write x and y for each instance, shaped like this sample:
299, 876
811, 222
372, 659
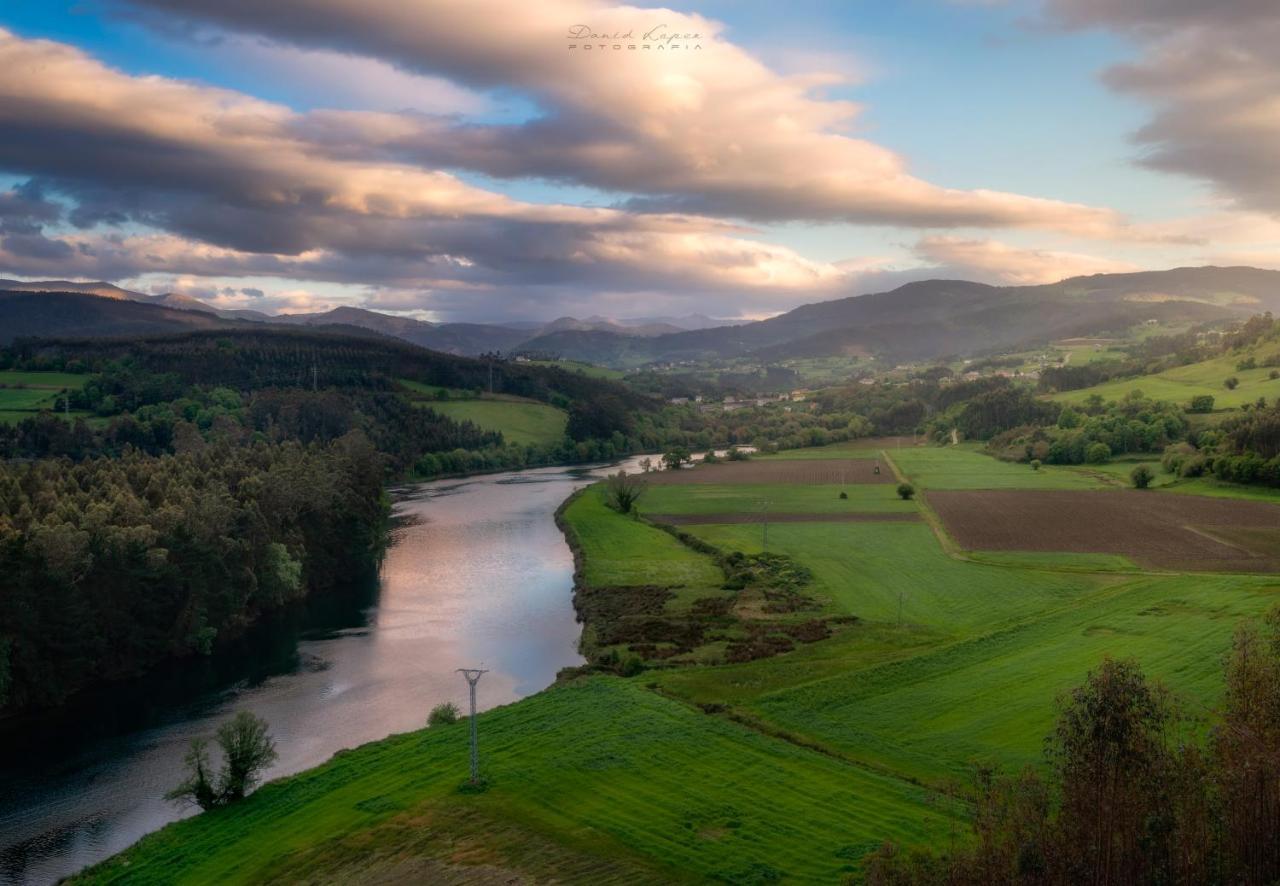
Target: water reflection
477, 575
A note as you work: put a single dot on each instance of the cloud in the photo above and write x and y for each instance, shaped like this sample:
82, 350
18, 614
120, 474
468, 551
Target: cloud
995, 262
706, 131
1212, 73
225, 184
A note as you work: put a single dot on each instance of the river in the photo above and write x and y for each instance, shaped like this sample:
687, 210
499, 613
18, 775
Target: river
476, 575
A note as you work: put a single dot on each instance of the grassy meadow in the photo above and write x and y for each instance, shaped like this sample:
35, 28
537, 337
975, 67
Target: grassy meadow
520, 422
24, 394
1182, 383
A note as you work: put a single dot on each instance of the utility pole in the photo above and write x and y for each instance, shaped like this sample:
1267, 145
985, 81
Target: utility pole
473, 676
764, 546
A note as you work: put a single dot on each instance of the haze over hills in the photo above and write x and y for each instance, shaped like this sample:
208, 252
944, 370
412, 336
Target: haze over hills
918, 320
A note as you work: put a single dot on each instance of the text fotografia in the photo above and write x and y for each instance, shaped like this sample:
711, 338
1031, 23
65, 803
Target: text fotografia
657, 38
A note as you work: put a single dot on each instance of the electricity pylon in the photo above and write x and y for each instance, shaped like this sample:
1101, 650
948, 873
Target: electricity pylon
473, 676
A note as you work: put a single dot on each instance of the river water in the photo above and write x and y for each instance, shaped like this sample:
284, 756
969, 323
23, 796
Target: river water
476, 575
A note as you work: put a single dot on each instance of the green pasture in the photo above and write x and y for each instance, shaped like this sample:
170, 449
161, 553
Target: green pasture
868, 569
781, 498
24, 394
862, 447
1182, 383
619, 550
991, 697
588, 369
965, 467
598, 781
520, 421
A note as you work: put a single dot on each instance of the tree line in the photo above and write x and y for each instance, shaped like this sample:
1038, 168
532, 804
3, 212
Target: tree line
112, 565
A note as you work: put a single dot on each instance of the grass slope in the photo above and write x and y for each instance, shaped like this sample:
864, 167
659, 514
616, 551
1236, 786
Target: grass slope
598, 781
1184, 382
520, 422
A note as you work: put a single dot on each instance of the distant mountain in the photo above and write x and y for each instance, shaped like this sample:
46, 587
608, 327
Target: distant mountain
103, 290
450, 338
931, 318
920, 320
81, 314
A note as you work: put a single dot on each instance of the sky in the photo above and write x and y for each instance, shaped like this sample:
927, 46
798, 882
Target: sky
490, 160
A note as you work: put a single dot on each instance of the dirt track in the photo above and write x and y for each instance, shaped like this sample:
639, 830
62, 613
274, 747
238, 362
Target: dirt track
800, 471
1161, 530
738, 517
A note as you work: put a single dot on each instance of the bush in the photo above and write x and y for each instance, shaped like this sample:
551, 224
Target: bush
622, 491
1231, 383
844, 495
1141, 477
1273, 374
1193, 466
1246, 364
444, 714
247, 751
1097, 453
1202, 403
736, 454
1035, 464
906, 491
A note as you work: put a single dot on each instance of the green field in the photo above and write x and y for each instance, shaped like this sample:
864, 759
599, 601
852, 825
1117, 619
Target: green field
787, 767
599, 781
620, 551
589, 369
24, 394
966, 467
520, 421
781, 499
1179, 385
861, 447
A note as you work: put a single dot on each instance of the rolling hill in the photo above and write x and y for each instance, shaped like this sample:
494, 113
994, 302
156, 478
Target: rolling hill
931, 318
916, 321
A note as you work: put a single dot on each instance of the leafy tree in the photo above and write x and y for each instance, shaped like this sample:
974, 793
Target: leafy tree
622, 491
1141, 477
1097, 453
676, 458
1202, 403
1035, 464
1231, 383
247, 751
444, 714
906, 491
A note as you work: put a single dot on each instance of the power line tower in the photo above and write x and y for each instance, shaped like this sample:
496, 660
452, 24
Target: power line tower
473, 676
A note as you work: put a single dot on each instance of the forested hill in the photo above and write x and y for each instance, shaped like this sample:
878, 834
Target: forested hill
254, 356
207, 478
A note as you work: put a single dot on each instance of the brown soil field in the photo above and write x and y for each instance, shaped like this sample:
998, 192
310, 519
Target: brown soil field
1161, 530
738, 517
800, 471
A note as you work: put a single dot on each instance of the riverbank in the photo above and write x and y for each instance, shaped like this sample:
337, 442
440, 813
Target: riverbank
476, 572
